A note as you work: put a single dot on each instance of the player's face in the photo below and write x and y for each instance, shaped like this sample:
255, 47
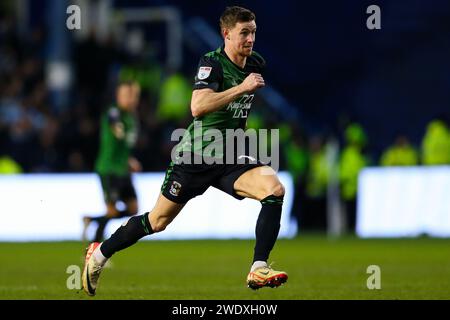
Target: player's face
135, 95
125, 98
242, 37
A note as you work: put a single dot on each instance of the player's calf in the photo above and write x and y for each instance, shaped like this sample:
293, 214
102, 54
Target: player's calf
128, 234
267, 227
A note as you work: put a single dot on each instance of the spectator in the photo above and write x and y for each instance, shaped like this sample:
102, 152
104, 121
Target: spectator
174, 99
401, 153
352, 160
9, 166
436, 144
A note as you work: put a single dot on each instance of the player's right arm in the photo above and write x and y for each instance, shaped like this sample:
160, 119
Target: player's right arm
206, 100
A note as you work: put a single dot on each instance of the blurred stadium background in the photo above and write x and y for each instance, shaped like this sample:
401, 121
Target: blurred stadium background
363, 118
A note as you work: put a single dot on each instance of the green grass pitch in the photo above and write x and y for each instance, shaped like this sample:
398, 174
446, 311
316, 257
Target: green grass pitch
211, 269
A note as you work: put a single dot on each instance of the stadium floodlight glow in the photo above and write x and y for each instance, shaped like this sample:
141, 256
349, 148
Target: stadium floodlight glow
50, 207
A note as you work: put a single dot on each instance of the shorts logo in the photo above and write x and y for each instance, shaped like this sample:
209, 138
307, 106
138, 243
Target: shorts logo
175, 188
204, 72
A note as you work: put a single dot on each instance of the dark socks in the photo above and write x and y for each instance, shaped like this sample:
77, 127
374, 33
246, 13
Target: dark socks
267, 227
97, 219
136, 228
102, 221
122, 214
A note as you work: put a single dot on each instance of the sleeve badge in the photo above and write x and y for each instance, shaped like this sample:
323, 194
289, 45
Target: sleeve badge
204, 72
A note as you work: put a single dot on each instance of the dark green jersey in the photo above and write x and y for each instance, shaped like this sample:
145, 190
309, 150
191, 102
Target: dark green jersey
118, 133
217, 72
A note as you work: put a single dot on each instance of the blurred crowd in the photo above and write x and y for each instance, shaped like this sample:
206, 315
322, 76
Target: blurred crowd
36, 137
318, 162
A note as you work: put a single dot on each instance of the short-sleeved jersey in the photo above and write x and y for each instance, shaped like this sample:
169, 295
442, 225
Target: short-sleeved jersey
115, 149
217, 72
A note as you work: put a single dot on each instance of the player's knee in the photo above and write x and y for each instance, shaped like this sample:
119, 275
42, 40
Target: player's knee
159, 227
112, 212
277, 190
132, 210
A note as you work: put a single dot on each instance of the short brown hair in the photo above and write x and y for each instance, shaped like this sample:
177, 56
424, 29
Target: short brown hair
235, 14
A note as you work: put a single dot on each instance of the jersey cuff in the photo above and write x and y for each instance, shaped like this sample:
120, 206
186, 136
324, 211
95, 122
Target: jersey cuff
203, 85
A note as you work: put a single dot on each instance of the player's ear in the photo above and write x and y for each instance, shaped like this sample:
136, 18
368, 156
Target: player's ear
226, 33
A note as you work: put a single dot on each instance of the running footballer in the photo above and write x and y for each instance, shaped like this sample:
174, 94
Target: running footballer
223, 92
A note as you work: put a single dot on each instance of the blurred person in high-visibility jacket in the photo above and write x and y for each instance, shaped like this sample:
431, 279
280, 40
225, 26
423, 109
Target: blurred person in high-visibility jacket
175, 95
8, 165
296, 161
401, 153
317, 175
436, 144
351, 161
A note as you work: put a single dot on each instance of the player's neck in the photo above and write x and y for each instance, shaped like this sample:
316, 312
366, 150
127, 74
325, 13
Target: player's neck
236, 58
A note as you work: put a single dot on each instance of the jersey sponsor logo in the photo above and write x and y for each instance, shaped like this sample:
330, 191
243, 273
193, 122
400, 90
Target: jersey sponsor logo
242, 106
204, 72
175, 188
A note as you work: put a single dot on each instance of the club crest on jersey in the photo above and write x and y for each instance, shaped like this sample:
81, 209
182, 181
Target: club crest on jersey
204, 72
175, 188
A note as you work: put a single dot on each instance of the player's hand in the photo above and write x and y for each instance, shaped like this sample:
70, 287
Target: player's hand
252, 82
134, 164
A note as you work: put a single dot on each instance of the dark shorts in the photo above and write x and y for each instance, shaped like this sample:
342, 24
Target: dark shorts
117, 188
186, 181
